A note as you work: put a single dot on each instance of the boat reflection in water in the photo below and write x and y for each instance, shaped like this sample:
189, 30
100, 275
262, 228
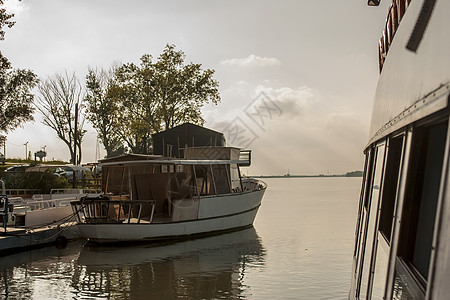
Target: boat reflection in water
41, 273
203, 268
212, 267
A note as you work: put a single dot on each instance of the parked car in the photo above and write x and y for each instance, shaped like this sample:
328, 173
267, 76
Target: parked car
68, 170
16, 168
43, 168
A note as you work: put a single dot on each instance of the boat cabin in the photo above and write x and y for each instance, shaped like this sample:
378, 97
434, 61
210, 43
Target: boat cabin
169, 189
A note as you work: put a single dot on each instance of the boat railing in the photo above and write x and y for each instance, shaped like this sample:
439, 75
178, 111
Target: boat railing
74, 191
45, 204
251, 184
16, 200
39, 203
17, 192
104, 210
41, 197
396, 12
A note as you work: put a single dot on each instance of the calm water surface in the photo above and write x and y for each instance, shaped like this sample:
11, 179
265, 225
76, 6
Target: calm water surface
300, 248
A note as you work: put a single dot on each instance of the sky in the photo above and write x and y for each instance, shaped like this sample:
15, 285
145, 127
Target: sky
296, 78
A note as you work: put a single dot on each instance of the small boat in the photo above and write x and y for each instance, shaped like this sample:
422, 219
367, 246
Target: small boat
40, 209
40, 220
45, 209
163, 198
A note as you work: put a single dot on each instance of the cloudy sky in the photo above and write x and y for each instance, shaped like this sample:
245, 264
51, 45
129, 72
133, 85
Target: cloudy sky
297, 78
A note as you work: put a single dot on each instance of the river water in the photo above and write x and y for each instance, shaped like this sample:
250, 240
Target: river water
300, 248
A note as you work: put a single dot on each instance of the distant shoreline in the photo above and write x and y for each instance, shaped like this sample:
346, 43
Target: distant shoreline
348, 174
297, 176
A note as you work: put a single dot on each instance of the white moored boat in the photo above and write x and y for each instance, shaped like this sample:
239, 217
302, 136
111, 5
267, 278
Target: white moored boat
167, 198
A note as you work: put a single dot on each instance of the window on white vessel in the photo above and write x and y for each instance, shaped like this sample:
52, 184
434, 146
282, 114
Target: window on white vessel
382, 242
368, 164
362, 216
391, 178
419, 210
371, 209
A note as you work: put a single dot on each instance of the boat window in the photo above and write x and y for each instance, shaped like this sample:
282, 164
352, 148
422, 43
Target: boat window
235, 180
116, 180
419, 209
189, 184
211, 180
202, 181
361, 225
380, 263
380, 267
371, 207
221, 179
391, 178
361, 199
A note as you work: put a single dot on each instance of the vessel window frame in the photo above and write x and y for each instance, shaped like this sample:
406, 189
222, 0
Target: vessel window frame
360, 228
384, 225
367, 159
428, 152
370, 212
393, 166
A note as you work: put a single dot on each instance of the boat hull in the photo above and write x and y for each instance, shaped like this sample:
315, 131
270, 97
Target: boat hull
241, 212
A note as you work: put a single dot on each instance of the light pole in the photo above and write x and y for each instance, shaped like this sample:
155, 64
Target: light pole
3, 140
26, 150
45, 146
147, 144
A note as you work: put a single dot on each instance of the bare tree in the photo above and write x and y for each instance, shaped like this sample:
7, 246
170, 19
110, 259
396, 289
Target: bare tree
59, 98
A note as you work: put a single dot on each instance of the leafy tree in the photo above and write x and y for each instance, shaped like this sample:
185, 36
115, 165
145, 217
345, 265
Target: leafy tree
15, 86
5, 20
161, 95
60, 95
15, 96
181, 90
354, 174
138, 112
102, 109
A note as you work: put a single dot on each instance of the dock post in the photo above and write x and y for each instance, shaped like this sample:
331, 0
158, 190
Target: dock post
4, 201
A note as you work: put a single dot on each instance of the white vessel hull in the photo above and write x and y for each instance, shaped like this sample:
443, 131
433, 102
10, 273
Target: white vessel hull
215, 214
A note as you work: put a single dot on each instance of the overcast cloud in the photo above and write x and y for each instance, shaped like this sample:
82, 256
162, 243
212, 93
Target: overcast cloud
252, 61
313, 63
